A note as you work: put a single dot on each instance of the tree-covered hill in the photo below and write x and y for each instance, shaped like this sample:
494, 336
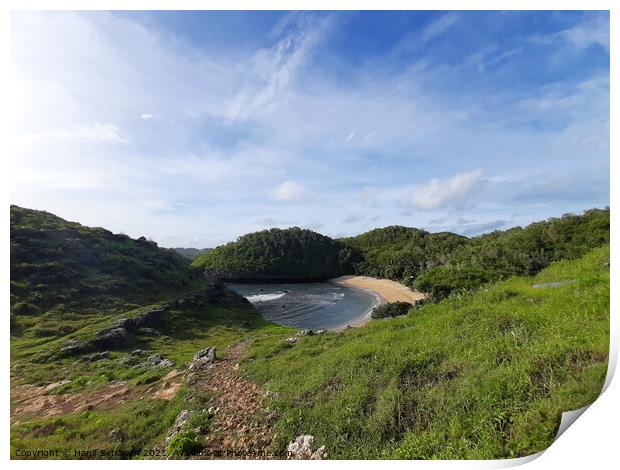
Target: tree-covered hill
54, 261
401, 253
516, 252
291, 254
436, 263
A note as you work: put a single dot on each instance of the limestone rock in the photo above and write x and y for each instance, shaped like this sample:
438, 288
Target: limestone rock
301, 449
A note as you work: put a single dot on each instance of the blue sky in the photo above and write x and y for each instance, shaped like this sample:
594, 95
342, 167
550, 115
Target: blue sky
193, 128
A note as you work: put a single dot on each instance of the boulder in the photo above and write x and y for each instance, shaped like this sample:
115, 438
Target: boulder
110, 339
301, 449
205, 355
292, 340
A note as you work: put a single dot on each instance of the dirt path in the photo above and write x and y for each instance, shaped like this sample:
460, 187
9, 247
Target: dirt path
241, 423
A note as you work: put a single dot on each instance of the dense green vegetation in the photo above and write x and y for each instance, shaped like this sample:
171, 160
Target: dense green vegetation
401, 253
392, 309
517, 251
55, 263
477, 376
275, 255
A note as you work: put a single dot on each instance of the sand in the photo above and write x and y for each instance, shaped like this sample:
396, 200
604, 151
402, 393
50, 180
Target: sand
385, 289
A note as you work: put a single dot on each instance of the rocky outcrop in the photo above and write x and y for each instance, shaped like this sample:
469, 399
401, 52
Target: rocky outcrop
95, 356
110, 339
116, 337
160, 361
301, 449
202, 360
206, 355
150, 318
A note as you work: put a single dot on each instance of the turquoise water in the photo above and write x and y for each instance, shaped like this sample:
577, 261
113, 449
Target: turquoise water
319, 305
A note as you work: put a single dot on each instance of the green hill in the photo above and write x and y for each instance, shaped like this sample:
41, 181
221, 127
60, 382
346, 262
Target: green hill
58, 262
401, 253
436, 263
477, 376
291, 254
94, 312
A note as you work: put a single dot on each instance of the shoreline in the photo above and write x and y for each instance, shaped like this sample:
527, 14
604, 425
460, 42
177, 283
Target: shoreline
385, 290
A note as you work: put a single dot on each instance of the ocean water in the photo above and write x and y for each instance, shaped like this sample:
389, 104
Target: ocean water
320, 305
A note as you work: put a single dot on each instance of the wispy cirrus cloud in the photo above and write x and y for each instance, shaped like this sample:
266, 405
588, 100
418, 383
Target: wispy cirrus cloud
217, 136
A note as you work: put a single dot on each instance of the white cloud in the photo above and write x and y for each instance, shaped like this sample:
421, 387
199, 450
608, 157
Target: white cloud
441, 24
290, 191
98, 133
456, 191
593, 31
147, 116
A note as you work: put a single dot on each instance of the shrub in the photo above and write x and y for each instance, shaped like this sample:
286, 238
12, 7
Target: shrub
184, 443
392, 309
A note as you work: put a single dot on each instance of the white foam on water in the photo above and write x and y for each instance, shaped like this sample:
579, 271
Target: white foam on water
265, 297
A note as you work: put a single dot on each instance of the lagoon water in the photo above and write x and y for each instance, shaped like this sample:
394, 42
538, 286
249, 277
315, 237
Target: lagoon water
309, 305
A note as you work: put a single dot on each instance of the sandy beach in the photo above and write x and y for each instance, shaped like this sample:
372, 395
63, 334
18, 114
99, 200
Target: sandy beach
385, 289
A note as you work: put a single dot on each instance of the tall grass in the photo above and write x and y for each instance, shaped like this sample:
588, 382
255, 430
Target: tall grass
477, 376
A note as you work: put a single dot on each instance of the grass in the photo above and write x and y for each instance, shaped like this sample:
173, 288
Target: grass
142, 424
132, 430
477, 376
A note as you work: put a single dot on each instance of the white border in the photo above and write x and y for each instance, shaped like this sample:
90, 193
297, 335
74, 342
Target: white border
590, 443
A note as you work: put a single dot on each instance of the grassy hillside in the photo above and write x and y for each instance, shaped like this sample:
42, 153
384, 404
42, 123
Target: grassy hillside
292, 254
59, 263
72, 289
477, 376
518, 251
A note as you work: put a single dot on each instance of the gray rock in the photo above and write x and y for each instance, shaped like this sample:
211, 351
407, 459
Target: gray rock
206, 355
292, 340
146, 331
95, 356
156, 359
110, 339
301, 449
177, 427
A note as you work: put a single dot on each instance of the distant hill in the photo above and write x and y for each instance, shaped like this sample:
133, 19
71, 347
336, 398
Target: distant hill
291, 254
54, 261
191, 253
436, 263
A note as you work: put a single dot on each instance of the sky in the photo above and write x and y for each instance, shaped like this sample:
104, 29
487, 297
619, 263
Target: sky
193, 128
